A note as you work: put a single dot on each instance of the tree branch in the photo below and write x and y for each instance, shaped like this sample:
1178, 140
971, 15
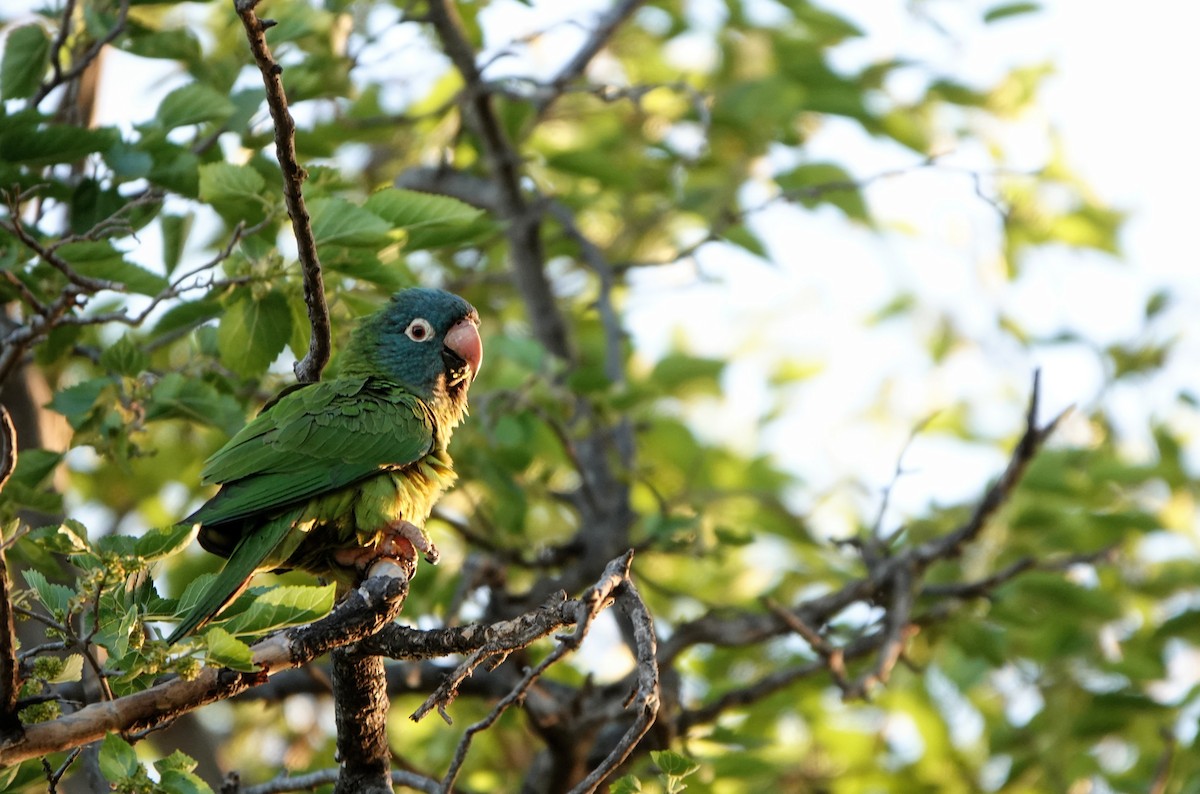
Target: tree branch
599, 38
310, 367
522, 223
361, 712
364, 610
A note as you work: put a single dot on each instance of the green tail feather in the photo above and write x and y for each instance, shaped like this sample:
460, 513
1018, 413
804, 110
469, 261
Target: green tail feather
247, 557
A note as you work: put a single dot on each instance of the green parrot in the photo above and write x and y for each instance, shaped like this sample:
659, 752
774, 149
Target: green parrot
335, 475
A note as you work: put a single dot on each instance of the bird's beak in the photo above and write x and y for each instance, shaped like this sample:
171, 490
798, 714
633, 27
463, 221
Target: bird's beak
463, 341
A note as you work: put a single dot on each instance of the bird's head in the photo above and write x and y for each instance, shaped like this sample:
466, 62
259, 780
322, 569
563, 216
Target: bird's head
425, 339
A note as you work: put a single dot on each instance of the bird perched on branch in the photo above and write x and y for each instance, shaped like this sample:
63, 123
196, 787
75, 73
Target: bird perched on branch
335, 475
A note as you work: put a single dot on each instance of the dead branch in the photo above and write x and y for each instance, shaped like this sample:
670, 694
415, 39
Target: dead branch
310, 367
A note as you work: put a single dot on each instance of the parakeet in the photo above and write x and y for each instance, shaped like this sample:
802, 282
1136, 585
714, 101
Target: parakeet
337, 474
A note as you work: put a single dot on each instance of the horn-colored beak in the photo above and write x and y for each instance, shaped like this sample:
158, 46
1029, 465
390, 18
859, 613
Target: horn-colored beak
463, 340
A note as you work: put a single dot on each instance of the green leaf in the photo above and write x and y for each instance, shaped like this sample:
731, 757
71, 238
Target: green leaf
124, 357
35, 465
175, 231
54, 143
193, 594
177, 781
180, 44
336, 221
72, 670
223, 649
741, 236
118, 761
100, 260
178, 761
253, 333
409, 209
128, 162
813, 184
76, 402
187, 315
280, 607
233, 190
56, 597
682, 375
194, 103
26, 58
165, 541
178, 397
673, 763
626, 785
1006, 10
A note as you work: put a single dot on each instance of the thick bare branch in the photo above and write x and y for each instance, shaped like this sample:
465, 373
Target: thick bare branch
309, 368
361, 711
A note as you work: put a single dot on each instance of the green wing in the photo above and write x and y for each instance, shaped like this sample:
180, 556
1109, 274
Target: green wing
251, 550
312, 441
309, 442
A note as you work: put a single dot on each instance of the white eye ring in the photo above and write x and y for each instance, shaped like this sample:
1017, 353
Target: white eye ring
419, 330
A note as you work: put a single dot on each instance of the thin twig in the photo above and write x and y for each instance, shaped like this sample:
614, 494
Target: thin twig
605, 28
59, 77
309, 368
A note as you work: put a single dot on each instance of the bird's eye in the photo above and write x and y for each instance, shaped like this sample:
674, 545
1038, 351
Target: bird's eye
419, 330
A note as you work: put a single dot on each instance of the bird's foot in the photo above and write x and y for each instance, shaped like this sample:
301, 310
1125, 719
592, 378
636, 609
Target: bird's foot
400, 541
404, 532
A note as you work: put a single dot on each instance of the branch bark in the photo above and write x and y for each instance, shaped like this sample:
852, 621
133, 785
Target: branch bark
361, 711
363, 612
310, 367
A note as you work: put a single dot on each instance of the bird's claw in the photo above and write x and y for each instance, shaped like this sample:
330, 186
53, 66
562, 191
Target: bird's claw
417, 538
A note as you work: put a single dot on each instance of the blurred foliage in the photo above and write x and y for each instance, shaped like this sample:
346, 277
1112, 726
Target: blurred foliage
1059, 681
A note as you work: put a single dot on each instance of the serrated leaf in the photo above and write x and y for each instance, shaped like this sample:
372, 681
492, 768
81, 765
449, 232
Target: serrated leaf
72, 537
336, 221
72, 670
26, 58
193, 594
409, 209
233, 190
222, 648
124, 357
54, 143
626, 785
178, 761
194, 103
56, 597
673, 763
281, 607
180, 782
118, 760
35, 465
178, 397
165, 541
253, 333
76, 402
